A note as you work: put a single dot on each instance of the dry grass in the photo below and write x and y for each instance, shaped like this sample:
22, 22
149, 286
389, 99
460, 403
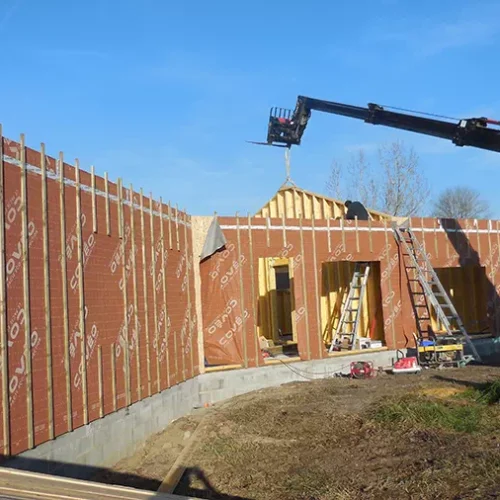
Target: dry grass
431, 436
392, 437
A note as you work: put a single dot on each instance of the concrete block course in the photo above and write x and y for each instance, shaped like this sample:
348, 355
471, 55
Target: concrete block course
105, 441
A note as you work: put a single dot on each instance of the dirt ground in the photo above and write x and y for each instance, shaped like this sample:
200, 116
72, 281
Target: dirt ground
433, 435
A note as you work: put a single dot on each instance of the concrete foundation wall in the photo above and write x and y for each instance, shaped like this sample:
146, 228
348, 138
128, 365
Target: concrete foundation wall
218, 386
104, 442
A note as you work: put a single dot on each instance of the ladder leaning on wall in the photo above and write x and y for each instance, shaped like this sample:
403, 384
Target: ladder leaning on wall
433, 293
348, 326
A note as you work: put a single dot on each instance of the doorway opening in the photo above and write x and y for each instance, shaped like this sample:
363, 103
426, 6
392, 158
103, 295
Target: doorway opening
275, 325
336, 283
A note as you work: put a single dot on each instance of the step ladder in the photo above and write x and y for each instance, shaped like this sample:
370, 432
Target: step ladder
348, 325
433, 291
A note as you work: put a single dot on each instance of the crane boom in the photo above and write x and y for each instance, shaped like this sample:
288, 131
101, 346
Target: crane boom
286, 127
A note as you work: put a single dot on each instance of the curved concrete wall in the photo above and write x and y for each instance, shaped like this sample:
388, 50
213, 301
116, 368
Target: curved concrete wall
104, 442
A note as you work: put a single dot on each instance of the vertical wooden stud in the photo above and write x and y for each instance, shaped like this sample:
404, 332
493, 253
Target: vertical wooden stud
447, 238
46, 294
497, 305
268, 241
370, 234
145, 292
164, 284
153, 275
389, 284
304, 289
3, 312
119, 206
436, 245
81, 297
489, 243
136, 298
106, 194
100, 380
190, 305
423, 235
357, 233
478, 239
94, 204
177, 226
121, 232
316, 286
284, 229
498, 240
252, 286
342, 229
170, 225
26, 284
113, 375
329, 235
64, 285
242, 296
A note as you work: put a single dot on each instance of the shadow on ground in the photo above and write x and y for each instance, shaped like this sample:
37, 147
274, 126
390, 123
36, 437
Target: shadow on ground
207, 491
83, 472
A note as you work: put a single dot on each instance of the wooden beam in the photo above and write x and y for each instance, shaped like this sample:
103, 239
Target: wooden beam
145, 291
370, 234
164, 285
113, 375
357, 233
94, 204
252, 286
344, 249
26, 293
46, 294
100, 381
121, 232
3, 312
436, 246
329, 235
153, 274
136, 298
170, 225
242, 296
304, 289
190, 305
177, 227
81, 296
388, 259
283, 223
316, 286
64, 285
108, 215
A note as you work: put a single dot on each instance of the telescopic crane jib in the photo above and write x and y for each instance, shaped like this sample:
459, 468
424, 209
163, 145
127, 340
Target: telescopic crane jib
286, 127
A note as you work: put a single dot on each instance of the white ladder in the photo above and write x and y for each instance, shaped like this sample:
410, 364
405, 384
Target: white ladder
432, 287
348, 325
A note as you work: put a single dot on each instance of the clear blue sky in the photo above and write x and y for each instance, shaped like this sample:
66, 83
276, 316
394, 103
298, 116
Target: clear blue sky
164, 93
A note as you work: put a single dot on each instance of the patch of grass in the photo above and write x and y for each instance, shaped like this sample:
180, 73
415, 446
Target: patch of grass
488, 393
423, 412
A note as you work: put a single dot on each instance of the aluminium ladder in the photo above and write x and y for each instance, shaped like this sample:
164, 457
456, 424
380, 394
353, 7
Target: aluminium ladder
348, 325
432, 287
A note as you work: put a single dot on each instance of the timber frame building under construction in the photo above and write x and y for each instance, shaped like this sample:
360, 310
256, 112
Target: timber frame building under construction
109, 297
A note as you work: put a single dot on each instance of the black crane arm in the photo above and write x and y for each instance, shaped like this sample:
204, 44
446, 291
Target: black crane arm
286, 127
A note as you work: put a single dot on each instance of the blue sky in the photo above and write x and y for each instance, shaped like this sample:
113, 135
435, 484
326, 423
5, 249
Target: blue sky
165, 93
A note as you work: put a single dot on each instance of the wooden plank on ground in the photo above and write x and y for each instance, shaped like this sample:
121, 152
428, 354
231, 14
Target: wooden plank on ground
18, 484
174, 475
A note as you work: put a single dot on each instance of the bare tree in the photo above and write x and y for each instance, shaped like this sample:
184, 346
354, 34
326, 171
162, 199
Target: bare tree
461, 202
395, 186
